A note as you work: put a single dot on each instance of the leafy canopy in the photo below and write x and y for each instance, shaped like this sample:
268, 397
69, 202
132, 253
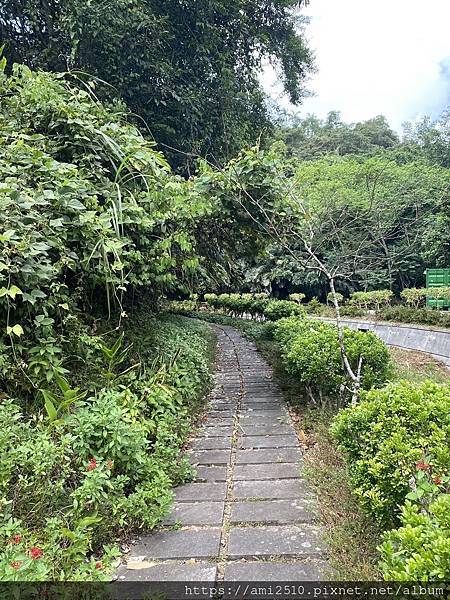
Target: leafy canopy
190, 69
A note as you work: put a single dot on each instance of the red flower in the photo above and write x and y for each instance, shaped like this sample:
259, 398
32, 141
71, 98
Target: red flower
422, 466
36, 552
92, 464
437, 480
15, 539
99, 564
16, 564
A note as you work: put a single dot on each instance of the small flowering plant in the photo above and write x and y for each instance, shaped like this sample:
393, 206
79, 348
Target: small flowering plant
426, 484
25, 558
23, 561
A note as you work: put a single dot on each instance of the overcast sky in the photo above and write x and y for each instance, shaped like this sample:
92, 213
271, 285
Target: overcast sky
388, 57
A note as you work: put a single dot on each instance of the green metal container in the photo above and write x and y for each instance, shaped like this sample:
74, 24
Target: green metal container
437, 278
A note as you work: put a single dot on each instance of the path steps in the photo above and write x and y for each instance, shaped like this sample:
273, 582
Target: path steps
249, 516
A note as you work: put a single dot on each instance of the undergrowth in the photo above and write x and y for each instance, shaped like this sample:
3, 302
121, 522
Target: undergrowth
90, 465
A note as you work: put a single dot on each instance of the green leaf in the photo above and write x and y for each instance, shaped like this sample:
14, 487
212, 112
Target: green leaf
49, 406
13, 291
16, 330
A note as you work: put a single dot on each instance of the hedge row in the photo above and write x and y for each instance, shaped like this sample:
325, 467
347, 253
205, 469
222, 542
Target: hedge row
261, 306
397, 445
255, 305
413, 297
311, 352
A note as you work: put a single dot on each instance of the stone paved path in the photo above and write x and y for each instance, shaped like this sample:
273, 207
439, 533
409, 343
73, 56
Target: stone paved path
249, 515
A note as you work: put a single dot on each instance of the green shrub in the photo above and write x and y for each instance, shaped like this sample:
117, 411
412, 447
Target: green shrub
374, 299
314, 306
311, 353
279, 309
349, 310
420, 549
296, 298
421, 316
339, 297
414, 296
386, 435
68, 486
238, 305
182, 307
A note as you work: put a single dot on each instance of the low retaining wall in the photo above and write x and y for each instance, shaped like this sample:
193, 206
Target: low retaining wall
411, 337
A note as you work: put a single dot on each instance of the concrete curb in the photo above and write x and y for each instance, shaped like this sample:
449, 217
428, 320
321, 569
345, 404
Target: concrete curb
411, 337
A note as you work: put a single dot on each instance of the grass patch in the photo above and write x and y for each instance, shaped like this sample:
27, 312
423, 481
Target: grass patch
415, 366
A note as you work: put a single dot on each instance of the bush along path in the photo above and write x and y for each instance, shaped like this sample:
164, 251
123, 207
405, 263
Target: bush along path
249, 515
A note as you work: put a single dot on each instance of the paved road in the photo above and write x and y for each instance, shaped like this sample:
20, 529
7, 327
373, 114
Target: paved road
250, 515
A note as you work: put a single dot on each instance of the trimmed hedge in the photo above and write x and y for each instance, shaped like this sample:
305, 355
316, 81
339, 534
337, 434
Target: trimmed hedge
311, 353
387, 435
420, 549
422, 316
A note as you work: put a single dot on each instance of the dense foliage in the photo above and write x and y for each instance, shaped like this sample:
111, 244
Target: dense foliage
391, 433
424, 316
391, 208
310, 138
108, 463
420, 549
311, 353
91, 429
90, 215
189, 69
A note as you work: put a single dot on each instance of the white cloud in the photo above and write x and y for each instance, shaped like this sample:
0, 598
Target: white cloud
388, 57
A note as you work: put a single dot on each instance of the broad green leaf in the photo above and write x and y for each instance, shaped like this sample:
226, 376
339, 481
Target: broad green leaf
16, 330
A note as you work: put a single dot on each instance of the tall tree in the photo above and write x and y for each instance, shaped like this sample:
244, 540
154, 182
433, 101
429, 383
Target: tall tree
188, 68
430, 138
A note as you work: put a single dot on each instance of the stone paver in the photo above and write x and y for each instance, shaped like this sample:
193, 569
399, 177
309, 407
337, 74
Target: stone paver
268, 512
212, 443
269, 399
269, 441
216, 431
211, 473
182, 544
200, 491
146, 571
269, 455
222, 415
266, 408
249, 501
275, 471
276, 571
248, 412
288, 541
196, 513
284, 488
210, 457
273, 427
